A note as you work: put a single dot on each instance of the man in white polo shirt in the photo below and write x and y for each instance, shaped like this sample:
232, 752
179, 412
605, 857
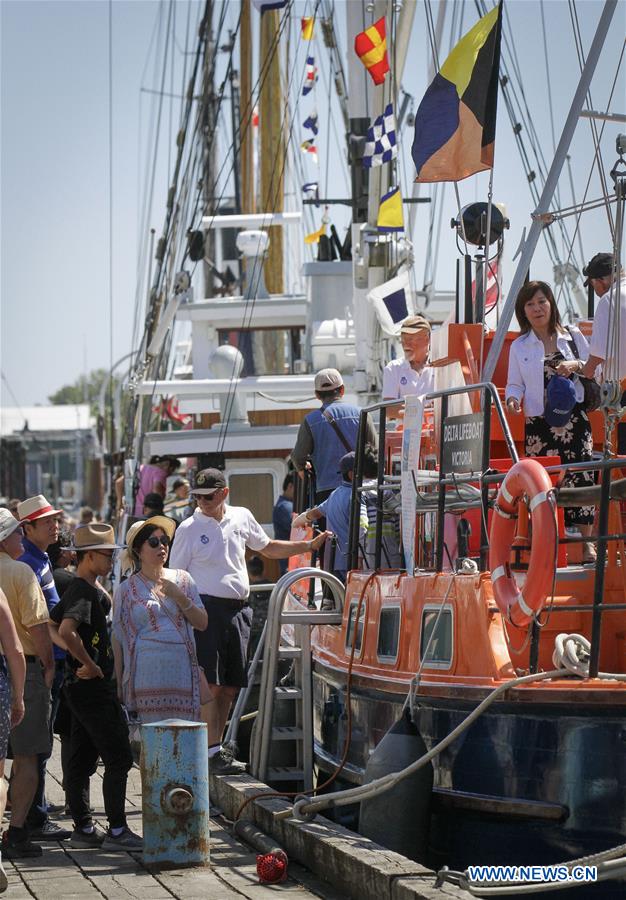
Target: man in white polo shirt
411, 375
211, 546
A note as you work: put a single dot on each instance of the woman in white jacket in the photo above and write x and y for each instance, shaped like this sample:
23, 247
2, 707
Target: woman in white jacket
543, 349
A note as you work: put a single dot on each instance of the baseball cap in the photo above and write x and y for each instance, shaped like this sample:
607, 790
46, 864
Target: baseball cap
414, 324
560, 401
598, 266
8, 523
328, 380
347, 462
209, 480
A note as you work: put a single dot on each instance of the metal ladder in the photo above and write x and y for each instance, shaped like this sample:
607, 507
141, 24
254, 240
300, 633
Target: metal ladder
274, 650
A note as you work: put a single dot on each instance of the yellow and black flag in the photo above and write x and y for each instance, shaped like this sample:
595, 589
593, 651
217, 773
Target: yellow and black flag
455, 125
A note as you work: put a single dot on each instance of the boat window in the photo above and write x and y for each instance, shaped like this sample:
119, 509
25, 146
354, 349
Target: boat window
388, 634
254, 490
439, 655
265, 351
350, 629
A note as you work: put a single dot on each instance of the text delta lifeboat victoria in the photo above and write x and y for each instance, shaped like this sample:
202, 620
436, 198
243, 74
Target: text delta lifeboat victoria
540, 775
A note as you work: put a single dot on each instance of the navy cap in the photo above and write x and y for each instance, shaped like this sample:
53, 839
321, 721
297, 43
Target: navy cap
560, 401
346, 463
209, 480
599, 266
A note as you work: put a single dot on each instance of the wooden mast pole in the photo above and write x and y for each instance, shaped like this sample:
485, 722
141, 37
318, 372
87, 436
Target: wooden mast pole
271, 114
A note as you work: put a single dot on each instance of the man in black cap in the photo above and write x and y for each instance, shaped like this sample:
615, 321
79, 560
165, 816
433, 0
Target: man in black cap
608, 338
328, 433
211, 545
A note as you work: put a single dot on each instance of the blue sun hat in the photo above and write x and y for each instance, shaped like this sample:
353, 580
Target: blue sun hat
560, 401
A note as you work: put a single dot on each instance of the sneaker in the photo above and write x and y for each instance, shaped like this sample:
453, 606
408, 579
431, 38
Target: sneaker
85, 840
24, 849
49, 831
127, 841
224, 763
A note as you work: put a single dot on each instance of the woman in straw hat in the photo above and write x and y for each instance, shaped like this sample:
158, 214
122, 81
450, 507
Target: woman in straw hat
154, 614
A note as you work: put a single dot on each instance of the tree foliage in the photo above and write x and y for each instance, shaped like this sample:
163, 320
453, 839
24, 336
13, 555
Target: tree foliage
86, 389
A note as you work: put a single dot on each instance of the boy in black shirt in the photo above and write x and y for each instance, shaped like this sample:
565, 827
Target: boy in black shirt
98, 724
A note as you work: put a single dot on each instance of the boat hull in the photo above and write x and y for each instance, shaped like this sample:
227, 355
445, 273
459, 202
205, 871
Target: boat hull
527, 783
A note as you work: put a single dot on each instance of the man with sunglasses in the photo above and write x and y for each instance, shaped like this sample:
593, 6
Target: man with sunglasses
211, 545
98, 727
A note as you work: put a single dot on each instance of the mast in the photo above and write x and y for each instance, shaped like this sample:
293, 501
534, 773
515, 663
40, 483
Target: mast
549, 188
271, 113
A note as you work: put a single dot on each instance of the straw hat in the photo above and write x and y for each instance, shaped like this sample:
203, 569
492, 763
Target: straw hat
35, 508
8, 524
163, 522
95, 536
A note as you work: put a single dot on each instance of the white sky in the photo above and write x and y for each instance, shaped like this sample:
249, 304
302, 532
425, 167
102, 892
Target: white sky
55, 176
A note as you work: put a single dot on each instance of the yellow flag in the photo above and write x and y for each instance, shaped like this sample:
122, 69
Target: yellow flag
314, 237
390, 217
307, 24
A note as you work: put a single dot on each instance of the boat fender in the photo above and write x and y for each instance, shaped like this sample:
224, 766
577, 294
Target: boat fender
526, 477
399, 819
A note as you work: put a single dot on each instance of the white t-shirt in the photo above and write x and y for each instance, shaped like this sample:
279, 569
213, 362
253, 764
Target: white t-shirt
400, 380
214, 553
604, 323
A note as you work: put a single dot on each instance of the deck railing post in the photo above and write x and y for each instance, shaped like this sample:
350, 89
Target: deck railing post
441, 500
598, 592
380, 477
484, 488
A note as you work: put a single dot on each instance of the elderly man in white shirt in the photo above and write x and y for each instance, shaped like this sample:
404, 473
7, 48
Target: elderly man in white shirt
608, 342
211, 545
411, 375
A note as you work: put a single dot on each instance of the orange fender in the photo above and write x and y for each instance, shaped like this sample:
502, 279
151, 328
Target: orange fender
530, 478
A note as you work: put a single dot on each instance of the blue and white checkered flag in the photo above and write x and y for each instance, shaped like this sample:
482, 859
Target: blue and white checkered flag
381, 145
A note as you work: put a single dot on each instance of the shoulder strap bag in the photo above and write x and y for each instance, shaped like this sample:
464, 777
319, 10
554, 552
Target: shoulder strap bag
591, 387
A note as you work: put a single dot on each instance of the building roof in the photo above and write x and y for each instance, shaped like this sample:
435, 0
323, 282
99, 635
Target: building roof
45, 418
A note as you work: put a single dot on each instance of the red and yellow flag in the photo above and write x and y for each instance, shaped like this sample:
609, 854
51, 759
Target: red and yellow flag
371, 48
307, 23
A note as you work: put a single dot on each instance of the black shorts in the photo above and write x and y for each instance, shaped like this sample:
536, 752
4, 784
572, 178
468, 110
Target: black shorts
222, 648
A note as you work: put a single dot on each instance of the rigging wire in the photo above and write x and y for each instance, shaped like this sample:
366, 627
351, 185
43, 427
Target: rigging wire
592, 123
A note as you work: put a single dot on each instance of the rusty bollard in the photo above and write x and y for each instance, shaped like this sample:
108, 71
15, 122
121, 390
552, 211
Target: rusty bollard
175, 794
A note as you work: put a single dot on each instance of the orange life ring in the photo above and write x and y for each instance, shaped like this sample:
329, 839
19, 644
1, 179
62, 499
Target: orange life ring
530, 478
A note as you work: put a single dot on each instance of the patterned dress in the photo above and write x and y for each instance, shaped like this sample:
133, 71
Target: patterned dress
161, 679
573, 443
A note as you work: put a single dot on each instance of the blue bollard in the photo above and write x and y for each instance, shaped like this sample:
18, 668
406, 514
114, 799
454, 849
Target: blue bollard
175, 793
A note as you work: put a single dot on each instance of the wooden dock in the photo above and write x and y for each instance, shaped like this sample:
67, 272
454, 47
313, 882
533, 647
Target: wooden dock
87, 874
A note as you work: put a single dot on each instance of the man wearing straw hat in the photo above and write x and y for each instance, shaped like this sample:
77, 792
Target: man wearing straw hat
32, 735
98, 726
211, 546
40, 524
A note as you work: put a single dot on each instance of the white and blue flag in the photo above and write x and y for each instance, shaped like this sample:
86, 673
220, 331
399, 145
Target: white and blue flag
381, 143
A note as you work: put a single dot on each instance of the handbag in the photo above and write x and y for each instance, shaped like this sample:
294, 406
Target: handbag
593, 395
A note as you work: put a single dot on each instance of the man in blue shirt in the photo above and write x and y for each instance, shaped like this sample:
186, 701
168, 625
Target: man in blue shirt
336, 510
40, 525
282, 515
326, 434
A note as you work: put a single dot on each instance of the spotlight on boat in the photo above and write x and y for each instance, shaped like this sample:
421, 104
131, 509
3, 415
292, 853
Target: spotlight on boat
473, 220
253, 243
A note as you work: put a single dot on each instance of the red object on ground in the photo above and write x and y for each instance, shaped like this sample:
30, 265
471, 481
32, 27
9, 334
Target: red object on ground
271, 867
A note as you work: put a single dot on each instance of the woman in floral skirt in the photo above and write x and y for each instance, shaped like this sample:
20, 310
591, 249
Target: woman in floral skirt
545, 349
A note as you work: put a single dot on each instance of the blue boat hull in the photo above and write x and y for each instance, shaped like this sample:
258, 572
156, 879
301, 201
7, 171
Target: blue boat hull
527, 783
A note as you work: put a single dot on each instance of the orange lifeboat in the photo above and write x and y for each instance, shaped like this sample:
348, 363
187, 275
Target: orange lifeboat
527, 477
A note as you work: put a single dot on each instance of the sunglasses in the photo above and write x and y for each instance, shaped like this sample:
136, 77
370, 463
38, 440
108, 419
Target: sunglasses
155, 541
